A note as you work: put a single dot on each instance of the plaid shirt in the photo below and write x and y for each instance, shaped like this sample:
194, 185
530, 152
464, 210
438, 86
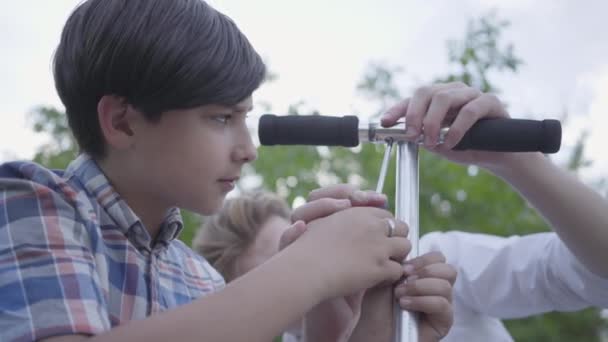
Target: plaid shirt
75, 259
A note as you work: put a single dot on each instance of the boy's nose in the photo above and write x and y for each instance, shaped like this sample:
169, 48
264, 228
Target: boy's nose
245, 152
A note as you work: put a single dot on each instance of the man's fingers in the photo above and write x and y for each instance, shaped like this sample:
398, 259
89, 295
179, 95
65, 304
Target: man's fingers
416, 110
368, 199
424, 287
438, 270
419, 104
319, 208
414, 264
394, 113
357, 197
442, 102
484, 106
426, 304
337, 191
292, 234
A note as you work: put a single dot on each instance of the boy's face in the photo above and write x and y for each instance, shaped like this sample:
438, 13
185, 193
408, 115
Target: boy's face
192, 158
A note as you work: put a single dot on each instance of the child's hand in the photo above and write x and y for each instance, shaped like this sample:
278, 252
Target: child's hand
335, 318
325, 201
330, 210
348, 252
428, 290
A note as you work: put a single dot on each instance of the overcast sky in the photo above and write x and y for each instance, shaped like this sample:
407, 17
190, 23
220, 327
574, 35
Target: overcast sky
320, 50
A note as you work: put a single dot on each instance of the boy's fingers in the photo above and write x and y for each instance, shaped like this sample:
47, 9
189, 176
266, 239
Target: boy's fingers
319, 208
394, 272
400, 248
392, 227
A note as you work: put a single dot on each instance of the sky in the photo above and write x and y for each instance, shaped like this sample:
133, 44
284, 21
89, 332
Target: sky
320, 49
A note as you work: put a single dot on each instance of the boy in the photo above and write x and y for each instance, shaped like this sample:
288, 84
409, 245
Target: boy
156, 93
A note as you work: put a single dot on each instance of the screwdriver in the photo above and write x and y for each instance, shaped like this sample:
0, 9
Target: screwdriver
384, 167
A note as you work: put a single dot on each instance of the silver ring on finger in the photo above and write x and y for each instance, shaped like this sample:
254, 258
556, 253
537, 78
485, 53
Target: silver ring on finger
392, 227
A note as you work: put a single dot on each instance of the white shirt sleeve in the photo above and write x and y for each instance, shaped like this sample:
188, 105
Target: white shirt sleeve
517, 276
287, 337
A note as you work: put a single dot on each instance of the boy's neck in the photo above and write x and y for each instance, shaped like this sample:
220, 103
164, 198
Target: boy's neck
145, 205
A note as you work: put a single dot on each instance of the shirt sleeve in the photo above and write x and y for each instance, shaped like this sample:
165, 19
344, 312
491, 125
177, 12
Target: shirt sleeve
48, 282
517, 276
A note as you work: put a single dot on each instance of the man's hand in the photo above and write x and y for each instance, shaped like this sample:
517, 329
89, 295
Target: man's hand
448, 104
428, 290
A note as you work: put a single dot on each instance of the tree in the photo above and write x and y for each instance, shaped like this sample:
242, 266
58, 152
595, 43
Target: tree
479, 53
63, 148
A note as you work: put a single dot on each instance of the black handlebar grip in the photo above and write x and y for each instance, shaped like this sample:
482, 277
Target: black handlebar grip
496, 134
513, 135
309, 130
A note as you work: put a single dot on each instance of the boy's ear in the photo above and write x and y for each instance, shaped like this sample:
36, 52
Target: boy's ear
116, 120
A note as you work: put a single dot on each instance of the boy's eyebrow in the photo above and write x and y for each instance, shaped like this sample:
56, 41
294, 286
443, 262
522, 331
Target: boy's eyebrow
241, 108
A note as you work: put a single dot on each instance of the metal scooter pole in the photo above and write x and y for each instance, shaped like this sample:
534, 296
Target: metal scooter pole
406, 210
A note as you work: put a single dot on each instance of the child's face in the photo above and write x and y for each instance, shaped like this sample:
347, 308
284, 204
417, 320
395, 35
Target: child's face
192, 158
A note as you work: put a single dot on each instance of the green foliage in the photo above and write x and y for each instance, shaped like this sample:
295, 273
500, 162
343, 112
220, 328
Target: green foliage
378, 83
58, 153
479, 53
577, 159
556, 326
192, 222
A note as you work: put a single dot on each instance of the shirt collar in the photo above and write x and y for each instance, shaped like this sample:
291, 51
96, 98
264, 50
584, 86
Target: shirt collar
87, 171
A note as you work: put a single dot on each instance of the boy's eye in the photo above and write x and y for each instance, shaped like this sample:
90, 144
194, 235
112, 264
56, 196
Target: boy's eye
223, 119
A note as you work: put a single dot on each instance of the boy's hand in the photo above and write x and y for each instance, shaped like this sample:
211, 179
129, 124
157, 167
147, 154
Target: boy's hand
333, 319
328, 201
448, 104
325, 201
428, 290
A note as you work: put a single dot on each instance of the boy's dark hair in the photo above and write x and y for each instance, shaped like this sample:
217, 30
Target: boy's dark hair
158, 54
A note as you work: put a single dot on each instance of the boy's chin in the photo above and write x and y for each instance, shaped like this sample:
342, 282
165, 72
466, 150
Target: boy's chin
209, 207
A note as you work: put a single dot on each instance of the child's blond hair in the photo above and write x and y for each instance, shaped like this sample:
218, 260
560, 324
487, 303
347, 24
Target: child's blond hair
227, 235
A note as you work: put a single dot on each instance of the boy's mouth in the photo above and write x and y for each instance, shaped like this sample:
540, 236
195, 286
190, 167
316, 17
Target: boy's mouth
229, 180
228, 184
